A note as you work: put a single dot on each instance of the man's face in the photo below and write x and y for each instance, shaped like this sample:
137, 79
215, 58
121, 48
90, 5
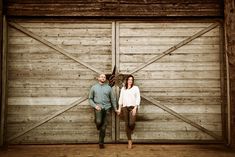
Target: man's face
102, 78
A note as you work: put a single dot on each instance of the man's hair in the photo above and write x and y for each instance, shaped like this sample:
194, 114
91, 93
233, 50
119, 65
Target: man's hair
101, 74
126, 81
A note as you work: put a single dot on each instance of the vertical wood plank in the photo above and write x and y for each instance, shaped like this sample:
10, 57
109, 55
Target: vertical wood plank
1, 31
118, 118
113, 130
4, 83
117, 46
229, 24
222, 87
117, 58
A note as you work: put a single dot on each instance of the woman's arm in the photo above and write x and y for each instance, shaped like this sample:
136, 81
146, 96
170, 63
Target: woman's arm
120, 101
137, 96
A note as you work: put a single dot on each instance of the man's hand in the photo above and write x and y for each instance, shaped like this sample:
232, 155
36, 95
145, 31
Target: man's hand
97, 107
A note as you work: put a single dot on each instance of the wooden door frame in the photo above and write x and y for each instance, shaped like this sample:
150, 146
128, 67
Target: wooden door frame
4, 83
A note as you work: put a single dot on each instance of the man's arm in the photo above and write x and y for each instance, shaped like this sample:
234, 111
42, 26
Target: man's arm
113, 99
91, 97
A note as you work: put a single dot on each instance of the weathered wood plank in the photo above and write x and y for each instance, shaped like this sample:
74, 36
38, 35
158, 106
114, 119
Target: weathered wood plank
83, 83
62, 24
157, 25
165, 40
177, 74
80, 127
106, 41
62, 32
175, 57
87, 116
23, 57
173, 66
169, 126
115, 8
73, 49
148, 108
169, 135
165, 32
203, 108
178, 83
76, 92
157, 49
2, 106
20, 73
229, 48
3, 75
53, 65
189, 100
41, 100
113, 1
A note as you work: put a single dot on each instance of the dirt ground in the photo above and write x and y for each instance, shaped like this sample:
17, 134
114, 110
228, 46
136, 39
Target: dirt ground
117, 150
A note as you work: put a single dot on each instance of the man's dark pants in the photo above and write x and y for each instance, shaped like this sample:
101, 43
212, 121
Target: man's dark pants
101, 118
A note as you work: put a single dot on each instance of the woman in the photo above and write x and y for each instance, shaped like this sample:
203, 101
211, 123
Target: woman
129, 102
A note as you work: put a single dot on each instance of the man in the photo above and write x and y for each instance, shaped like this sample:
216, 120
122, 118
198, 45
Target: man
101, 98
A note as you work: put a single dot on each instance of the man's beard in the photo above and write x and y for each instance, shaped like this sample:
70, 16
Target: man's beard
101, 81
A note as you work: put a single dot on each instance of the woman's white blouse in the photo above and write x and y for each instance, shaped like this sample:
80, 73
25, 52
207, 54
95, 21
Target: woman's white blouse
129, 97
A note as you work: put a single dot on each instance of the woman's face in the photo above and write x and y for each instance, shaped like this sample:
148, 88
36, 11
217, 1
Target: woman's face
130, 81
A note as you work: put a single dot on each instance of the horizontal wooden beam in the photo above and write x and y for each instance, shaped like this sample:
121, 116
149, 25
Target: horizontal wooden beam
47, 118
173, 48
163, 107
118, 8
49, 44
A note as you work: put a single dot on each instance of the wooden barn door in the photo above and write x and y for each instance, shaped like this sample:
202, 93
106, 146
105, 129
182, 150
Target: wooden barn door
51, 67
178, 69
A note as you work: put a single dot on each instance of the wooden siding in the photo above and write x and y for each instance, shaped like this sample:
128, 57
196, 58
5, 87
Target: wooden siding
43, 81
187, 81
230, 49
118, 8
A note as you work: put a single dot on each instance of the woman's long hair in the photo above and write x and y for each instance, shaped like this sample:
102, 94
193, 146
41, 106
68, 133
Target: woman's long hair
126, 81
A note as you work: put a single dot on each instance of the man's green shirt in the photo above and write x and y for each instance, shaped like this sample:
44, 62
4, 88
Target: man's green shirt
102, 95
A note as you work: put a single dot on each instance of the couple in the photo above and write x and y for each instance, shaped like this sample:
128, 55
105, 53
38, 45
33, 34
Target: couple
101, 97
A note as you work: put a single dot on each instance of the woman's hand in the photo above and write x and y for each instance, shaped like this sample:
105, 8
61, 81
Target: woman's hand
118, 111
133, 111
